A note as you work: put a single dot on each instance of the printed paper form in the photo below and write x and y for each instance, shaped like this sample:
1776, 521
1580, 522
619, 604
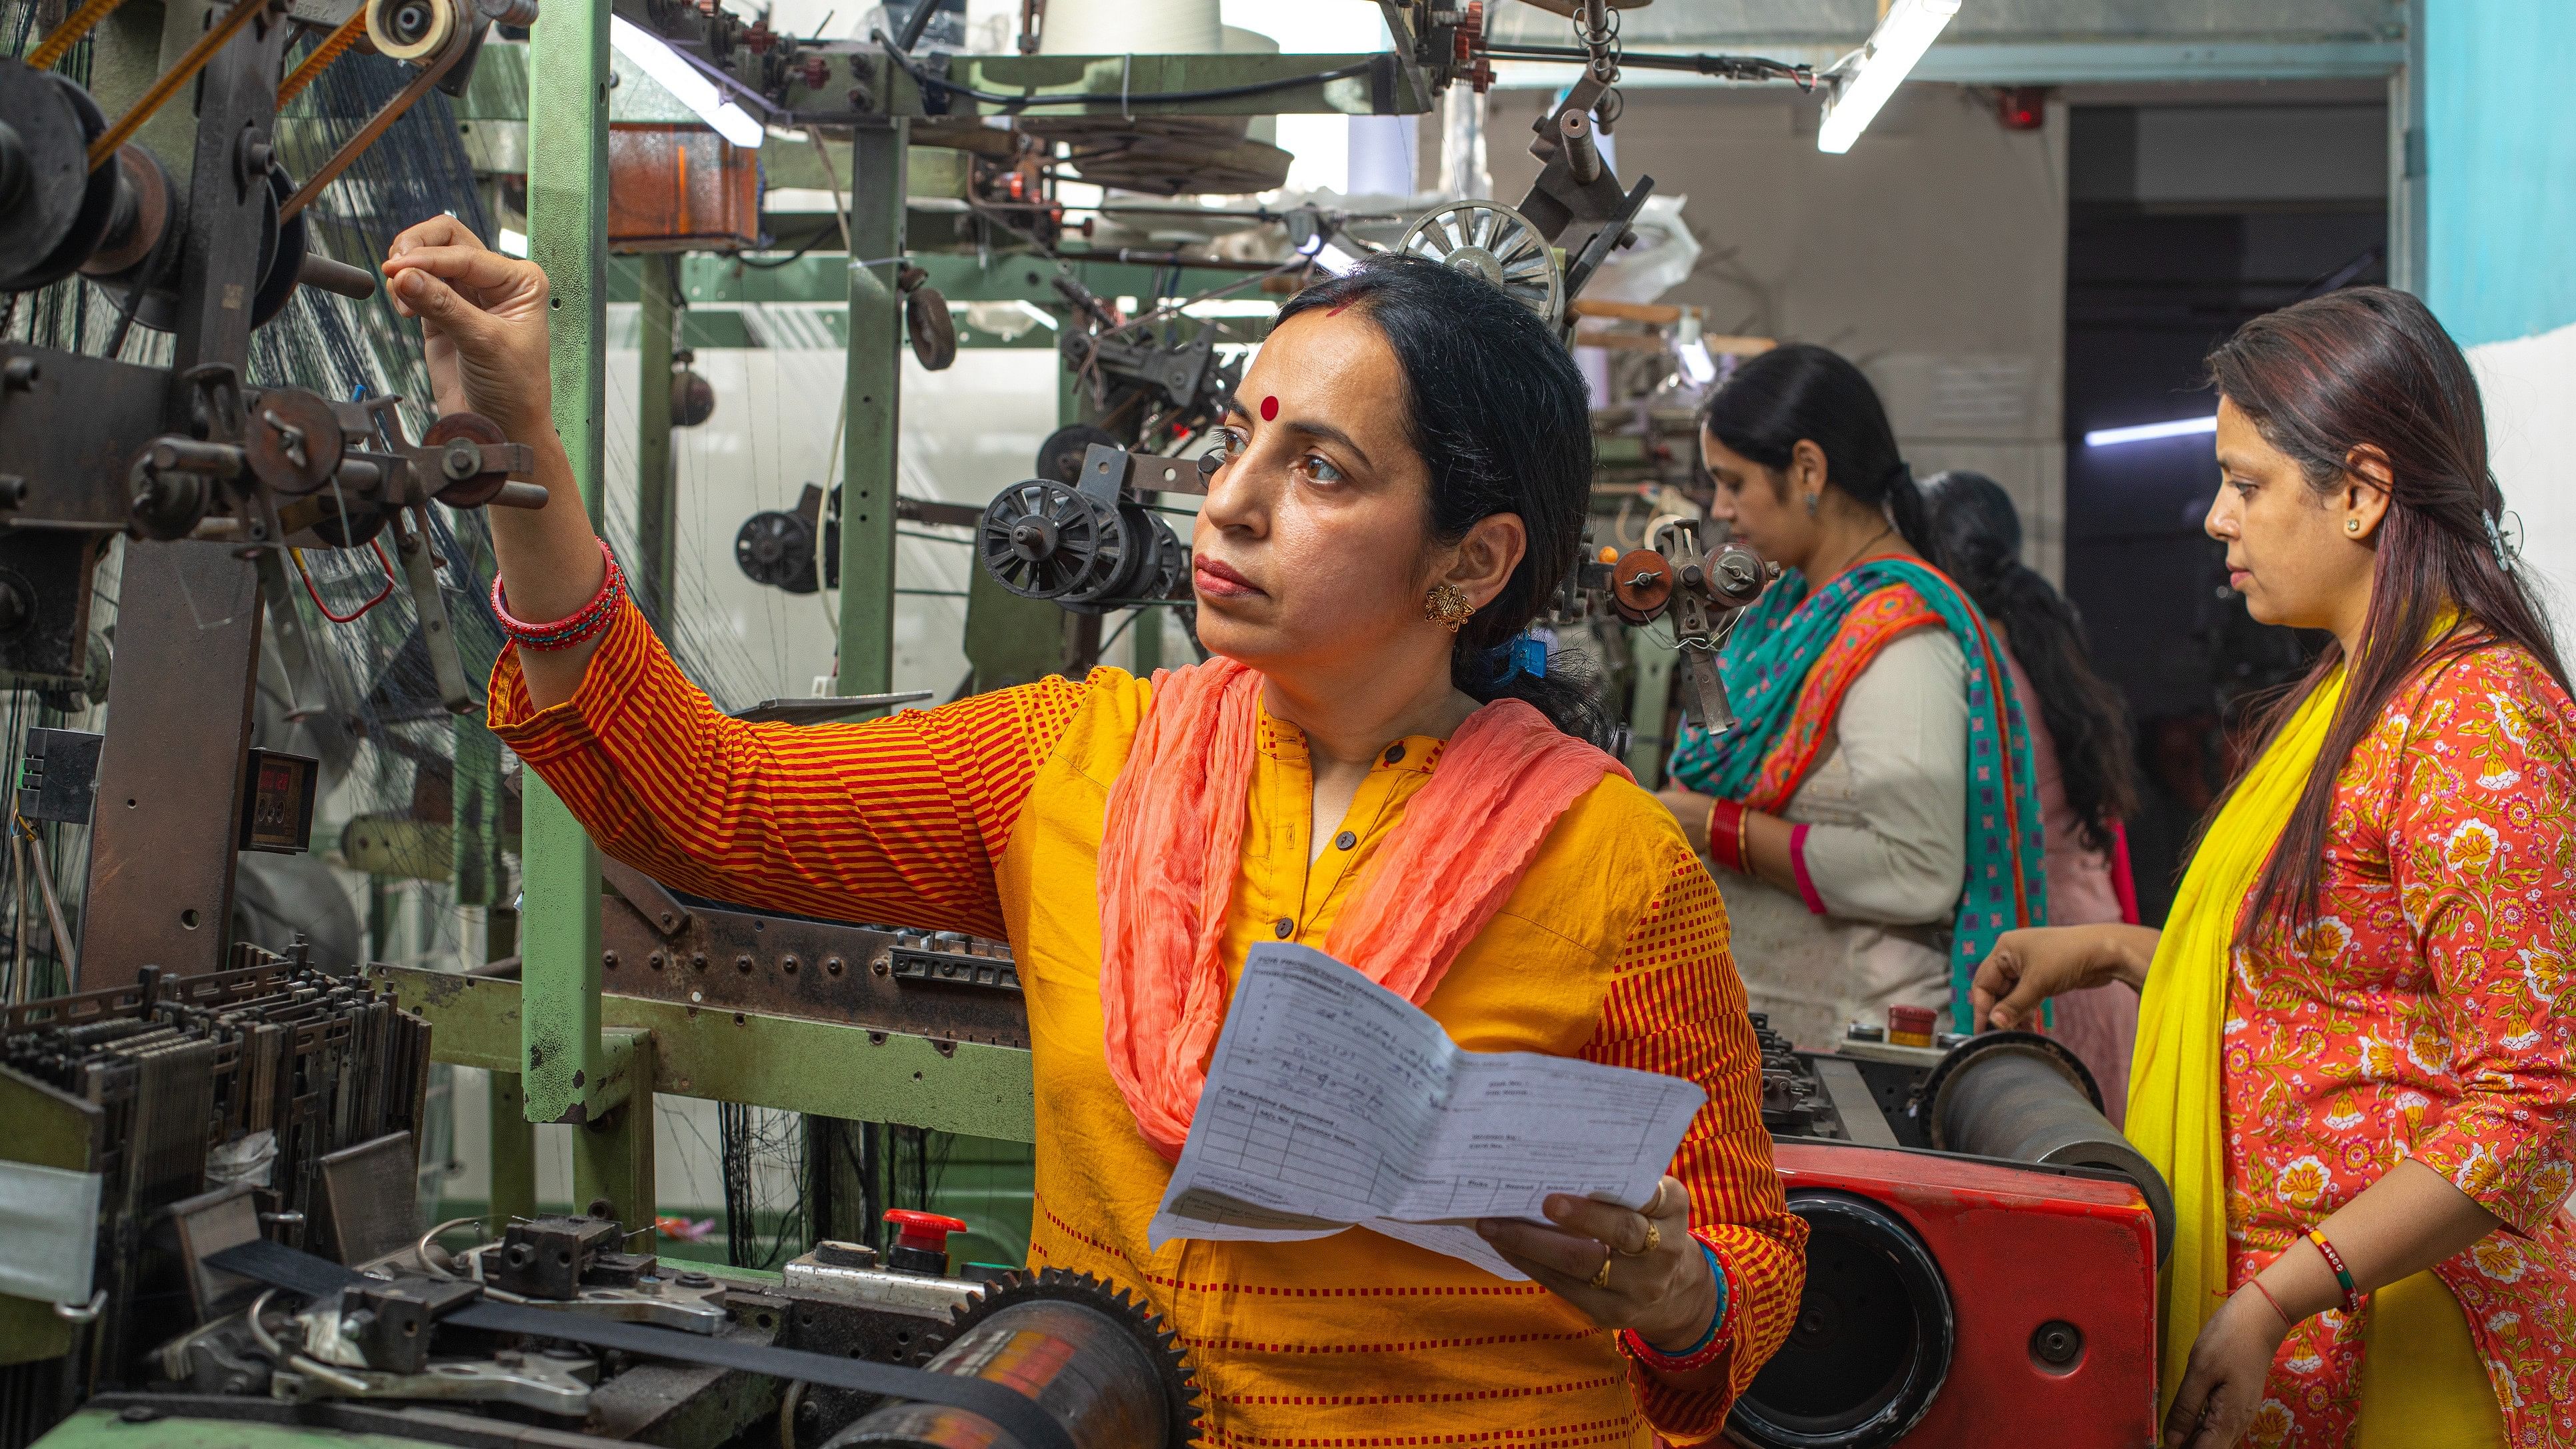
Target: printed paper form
1330, 1102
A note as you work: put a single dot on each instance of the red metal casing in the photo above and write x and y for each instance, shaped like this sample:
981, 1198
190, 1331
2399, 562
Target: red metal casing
2019, 1247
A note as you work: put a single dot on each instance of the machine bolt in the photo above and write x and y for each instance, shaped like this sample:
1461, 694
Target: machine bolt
2057, 1343
608, 959
19, 374
694, 1280
742, 964
698, 960
787, 964
460, 460
832, 964
654, 960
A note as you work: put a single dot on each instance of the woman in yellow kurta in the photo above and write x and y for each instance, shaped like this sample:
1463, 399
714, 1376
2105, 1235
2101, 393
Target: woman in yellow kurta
1403, 484
2354, 1052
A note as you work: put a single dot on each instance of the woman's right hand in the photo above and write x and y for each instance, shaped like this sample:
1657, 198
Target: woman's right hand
483, 324
2029, 966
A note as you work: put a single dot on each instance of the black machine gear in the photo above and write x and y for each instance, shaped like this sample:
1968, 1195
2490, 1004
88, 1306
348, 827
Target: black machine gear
1112, 1373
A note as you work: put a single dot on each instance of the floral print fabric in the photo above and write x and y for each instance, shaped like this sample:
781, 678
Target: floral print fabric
2420, 1015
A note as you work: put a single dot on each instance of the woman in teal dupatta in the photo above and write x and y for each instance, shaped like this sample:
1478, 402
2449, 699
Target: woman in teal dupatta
1875, 806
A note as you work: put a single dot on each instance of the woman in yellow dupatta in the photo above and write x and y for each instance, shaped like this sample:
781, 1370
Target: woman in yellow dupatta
2351, 1062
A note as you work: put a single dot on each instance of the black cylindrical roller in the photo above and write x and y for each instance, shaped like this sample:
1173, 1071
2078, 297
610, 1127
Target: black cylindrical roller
2026, 1098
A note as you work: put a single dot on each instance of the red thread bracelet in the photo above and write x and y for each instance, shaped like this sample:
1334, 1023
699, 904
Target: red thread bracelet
2286, 1320
1721, 1330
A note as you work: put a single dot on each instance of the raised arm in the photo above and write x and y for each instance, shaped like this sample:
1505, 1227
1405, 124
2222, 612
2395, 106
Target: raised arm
483, 330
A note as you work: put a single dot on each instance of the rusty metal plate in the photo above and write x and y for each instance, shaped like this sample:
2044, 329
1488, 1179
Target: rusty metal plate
727, 960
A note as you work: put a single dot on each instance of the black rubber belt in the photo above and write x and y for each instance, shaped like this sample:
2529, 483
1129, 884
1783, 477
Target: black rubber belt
282, 1267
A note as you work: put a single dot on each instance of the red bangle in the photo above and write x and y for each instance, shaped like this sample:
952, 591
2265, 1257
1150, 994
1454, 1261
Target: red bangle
1726, 834
580, 626
1721, 1334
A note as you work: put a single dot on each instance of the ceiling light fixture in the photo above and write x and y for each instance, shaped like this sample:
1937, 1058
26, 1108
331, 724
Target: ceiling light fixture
1863, 80
2148, 432
686, 82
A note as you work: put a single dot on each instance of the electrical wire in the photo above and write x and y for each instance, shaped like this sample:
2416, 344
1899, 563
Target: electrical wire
914, 69
381, 594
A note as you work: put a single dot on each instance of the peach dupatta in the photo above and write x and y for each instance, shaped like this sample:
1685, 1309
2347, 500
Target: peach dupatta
1174, 837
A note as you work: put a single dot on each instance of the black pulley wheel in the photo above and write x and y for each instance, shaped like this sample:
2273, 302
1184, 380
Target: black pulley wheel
1873, 1338
933, 331
1060, 456
349, 522
62, 207
1042, 540
776, 549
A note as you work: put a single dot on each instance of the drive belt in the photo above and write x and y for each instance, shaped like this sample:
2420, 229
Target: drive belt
282, 1267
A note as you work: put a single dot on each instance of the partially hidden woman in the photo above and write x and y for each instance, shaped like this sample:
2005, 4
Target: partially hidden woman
2354, 1051
1405, 480
1873, 808
2080, 746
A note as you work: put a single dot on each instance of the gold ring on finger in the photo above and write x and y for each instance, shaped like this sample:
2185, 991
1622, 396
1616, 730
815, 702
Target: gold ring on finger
1601, 1279
1654, 1240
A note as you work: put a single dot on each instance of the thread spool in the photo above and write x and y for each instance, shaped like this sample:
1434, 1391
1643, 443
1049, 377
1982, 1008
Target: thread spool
410, 29
1133, 27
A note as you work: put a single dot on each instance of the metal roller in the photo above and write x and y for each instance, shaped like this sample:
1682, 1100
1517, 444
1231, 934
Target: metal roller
410, 29
2026, 1098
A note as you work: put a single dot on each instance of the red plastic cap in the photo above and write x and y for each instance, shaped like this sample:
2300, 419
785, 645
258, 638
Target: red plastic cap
926, 1231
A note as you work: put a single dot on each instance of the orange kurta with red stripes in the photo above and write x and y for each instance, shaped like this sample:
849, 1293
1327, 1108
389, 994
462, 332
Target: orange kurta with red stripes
985, 816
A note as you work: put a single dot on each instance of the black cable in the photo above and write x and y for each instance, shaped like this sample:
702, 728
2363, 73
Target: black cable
811, 243
1725, 67
1220, 93
917, 22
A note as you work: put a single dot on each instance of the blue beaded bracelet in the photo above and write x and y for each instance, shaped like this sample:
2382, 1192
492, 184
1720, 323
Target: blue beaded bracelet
1698, 1353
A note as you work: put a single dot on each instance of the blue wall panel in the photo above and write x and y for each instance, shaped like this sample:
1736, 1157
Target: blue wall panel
2500, 166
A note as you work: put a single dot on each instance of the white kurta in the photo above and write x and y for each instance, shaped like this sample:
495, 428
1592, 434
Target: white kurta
1887, 807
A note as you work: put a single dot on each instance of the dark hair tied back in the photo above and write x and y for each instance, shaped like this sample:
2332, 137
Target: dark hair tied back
1503, 421
1805, 393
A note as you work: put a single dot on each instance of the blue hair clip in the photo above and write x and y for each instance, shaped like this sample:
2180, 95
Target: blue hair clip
1528, 656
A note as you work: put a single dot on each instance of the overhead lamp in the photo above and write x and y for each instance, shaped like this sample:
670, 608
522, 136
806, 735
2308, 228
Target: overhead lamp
1863, 80
690, 85
2148, 432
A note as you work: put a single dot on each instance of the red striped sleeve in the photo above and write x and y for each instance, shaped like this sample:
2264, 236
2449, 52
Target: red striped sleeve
897, 819
1675, 1006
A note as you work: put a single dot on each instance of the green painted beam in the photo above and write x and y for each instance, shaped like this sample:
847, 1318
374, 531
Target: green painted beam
568, 90
872, 395
612, 1151
824, 1068
657, 503
514, 1152
1126, 85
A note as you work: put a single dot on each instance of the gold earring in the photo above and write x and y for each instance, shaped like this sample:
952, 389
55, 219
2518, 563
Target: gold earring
2352, 525
1447, 606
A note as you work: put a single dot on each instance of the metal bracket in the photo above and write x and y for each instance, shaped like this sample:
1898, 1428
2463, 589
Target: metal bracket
651, 899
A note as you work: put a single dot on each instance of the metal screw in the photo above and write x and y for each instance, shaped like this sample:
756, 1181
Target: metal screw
608, 959
654, 960
742, 964
787, 964
832, 964
699, 960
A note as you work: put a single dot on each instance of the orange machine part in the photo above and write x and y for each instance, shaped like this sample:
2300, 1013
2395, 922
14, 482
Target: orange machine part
680, 188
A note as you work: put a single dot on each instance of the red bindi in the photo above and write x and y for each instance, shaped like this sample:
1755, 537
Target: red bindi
1269, 409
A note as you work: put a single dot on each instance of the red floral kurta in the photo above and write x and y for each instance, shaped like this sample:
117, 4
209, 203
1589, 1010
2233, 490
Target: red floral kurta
2420, 1016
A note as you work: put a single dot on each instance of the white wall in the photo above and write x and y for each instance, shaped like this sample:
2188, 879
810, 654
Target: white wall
2531, 433
1933, 254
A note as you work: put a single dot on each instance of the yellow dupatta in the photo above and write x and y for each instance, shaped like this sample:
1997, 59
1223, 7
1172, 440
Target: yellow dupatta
2174, 1105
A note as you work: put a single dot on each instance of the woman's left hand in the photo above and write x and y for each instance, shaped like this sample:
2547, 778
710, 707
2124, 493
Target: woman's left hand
2223, 1380
1658, 1281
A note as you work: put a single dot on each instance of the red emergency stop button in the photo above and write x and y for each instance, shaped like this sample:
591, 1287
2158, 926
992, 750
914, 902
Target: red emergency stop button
921, 1240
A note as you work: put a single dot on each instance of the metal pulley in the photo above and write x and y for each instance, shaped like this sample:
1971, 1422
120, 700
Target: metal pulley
1490, 240
53, 207
1041, 539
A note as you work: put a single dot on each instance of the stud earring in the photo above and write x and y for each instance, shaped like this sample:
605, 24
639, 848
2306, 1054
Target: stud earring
1811, 503
1447, 606
2352, 525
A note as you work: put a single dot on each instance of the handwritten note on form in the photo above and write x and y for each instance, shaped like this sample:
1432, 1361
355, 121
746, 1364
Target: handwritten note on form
1332, 1102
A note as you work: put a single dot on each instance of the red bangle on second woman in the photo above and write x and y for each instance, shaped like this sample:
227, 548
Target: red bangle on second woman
579, 627
1726, 840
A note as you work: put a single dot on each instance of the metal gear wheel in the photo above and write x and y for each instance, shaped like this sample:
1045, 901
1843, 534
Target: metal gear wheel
1119, 1311
1492, 241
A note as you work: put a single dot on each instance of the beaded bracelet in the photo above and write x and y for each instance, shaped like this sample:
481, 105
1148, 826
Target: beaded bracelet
579, 627
2343, 1275
1712, 1345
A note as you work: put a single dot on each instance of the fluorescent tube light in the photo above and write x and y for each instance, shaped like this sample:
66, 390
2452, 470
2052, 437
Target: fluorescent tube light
2147, 432
685, 81
1697, 365
1868, 76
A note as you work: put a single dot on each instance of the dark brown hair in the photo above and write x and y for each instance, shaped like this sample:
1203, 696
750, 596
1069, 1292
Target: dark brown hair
2370, 367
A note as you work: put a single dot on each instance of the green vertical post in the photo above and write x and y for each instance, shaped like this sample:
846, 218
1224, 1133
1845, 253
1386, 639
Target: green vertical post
514, 1155
873, 388
568, 76
1649, 708
657, 500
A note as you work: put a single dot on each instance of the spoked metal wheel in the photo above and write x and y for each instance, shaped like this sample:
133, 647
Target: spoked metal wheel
1496, 243
1042, 540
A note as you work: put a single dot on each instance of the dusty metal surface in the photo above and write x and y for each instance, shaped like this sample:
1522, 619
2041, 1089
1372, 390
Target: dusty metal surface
721, 960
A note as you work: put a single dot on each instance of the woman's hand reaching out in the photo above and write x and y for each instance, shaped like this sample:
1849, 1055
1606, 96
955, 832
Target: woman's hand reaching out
2029, 966
1657, 1281
482, 321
